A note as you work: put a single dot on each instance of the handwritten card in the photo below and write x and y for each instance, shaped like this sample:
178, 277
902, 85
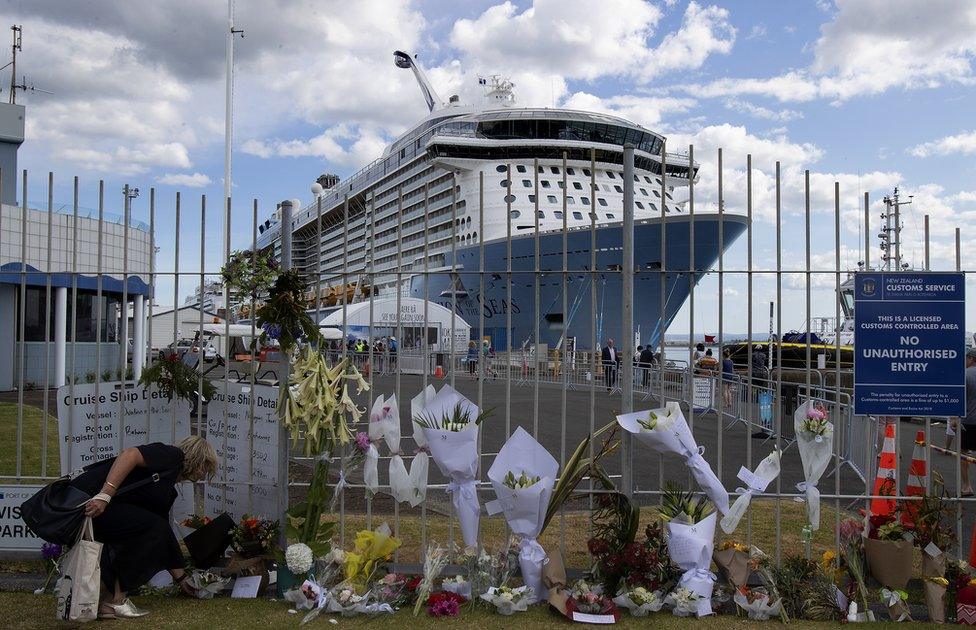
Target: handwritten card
246, 587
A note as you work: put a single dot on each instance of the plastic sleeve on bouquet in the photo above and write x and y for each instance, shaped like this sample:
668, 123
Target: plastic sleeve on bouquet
371, 474
815, 455
690, 547
755, 483
456, 455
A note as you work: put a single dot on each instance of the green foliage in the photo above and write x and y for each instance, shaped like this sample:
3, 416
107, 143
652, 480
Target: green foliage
679, 503
251, 273
176, 379
283, 318
793, 577
457, 420
577, 467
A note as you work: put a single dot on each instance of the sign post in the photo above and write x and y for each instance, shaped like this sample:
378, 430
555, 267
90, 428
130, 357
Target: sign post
909, 344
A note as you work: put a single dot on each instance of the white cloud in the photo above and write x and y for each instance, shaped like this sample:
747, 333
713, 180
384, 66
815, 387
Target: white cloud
645, 110
758, 111
188, 180
757, 31
340, 145
869, 47
962, 143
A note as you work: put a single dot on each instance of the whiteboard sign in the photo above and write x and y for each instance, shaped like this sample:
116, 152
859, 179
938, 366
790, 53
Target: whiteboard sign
243, 456
147, 417
14, 533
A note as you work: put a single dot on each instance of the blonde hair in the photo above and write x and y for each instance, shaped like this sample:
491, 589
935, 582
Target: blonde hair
199, 455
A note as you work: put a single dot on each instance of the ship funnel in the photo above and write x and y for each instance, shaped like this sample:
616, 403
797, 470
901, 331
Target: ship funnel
404, 61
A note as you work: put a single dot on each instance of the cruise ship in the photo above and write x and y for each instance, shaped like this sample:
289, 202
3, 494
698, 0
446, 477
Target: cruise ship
416, 220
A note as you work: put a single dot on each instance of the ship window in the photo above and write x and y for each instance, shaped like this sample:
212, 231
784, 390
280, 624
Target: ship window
546, 183
618, 189
520, 168
531, 198
528, 183
657, 194
636, 179
639, 205
541, 214
606, 188
577, 185
561, 184
657, 181
668, 195
610, 216
554, 169
602, 201
593, 216
403, 153
559, 214
652, 206
501, 168
474, 235
570, 171
643, 192
542, 169
586, 172
515, 214
610, 174
578, 215
552, 198
571, 201
504, 183
509, 198
647, 179
585, 200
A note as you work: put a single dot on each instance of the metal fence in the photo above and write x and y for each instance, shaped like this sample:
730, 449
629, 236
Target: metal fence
558, 397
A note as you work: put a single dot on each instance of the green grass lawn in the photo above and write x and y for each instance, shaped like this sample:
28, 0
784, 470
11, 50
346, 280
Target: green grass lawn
32, 443
22, 611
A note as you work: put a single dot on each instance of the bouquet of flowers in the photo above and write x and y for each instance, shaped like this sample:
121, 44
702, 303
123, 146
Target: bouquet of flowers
384, 423
51, 554
344, 600
435, 559
622, 566
195, 521
763, 566
176, 379
931, 515
685, 602
815, 441
450, 426
508, 600
640, 601
370, 550
732, 560
207, 584
852, 553
755, 483
690, 522
298, 557
588, 599
254, 537
665, 430
756, 602
522, 475
445, 604
457, 584
394, 589
889, 553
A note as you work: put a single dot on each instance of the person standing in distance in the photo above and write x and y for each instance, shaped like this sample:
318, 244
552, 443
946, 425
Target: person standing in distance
611, 362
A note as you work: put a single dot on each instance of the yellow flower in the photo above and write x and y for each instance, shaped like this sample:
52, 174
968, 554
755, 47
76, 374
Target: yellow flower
370, 549
731, 544
827, 559
941, 581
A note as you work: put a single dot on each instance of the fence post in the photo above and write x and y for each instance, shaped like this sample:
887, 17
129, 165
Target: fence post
627, 327
283, 370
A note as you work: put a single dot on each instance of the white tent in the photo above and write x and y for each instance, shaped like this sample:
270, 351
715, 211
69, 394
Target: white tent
440, 321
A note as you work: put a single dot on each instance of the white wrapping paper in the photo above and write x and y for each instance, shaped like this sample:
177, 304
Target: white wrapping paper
405, 487
815, 453
417, 404
456, 455
673, 435
760, 609
690, 547
755, 483
525, 508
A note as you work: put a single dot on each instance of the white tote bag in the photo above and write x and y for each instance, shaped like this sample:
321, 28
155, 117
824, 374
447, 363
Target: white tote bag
80, 579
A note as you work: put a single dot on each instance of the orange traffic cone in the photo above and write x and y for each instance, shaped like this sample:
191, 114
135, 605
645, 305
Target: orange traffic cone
915, 486
438, 372
884, 483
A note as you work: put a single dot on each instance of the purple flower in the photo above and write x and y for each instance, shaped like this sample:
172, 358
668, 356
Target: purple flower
273, 331
445, 608
51, 551
362, 441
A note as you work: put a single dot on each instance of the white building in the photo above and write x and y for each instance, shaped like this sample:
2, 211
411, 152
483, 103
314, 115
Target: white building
185, 320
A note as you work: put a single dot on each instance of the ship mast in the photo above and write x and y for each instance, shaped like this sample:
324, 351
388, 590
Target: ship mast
891, 236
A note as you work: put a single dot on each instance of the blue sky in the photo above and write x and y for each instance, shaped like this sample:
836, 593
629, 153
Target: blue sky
870, 93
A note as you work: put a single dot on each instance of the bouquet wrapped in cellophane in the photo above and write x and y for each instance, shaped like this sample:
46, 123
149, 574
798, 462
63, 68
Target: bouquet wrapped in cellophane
690, 523
522, 475
666, 431
815, 441
450, 426
405, 487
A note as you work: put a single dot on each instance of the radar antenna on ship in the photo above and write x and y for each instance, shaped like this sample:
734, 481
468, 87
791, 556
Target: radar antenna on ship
404, 60
498, 90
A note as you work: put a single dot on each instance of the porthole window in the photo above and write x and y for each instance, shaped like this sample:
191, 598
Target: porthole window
501, 168
610, 175
509, 198
578, 185
586, 172
541, 214
610, 216
570, 171
527, 183
639, 205
515, 214
559, 214
571, 201
578, 216
657, 194
618, 189
554, 169
653, 206
545, 183
561, 184
520, 168
504, 183
585, 200
531, 198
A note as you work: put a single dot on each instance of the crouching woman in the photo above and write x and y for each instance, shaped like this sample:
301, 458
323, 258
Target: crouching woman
138, 540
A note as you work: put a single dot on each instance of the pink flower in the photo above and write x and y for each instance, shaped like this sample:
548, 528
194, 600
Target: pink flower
362, 441
849, 528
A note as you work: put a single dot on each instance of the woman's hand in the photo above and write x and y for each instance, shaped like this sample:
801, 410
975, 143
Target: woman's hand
188, 589
95, 507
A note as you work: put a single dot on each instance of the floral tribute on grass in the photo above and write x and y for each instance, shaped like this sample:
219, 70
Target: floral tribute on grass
508, 600
690, 522
254, 537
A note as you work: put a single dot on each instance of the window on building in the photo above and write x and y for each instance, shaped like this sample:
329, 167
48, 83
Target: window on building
545, 183
559, 214
578, 185
554, 169
657, 194
501, 168
644, 191
647, 179
571, 201
504, 183
586, 172
578, 216
552, 199
610, 216
527, 183
531, 198
520, 168
652, 206
639, 205
610, 175
561, 184
570, 171
618, 189
602, 201
541, 214
668, 195
509, 198
585, 200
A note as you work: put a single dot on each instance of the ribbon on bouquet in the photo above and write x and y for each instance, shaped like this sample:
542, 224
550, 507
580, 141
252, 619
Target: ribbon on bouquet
464, 496
813, 502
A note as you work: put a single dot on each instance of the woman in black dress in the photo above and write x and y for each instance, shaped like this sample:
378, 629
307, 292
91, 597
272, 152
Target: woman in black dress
135, 530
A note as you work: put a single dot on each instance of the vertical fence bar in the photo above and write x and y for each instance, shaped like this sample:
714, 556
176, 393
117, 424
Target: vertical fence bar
627, 322
74, 310
752, 395
719, 420
98, 299
662, 321
840, 416
47, 326
252, 317
594, 348
124, 313
228, 213
176, 298
691, 293
283, 373
21, 334
538, 307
